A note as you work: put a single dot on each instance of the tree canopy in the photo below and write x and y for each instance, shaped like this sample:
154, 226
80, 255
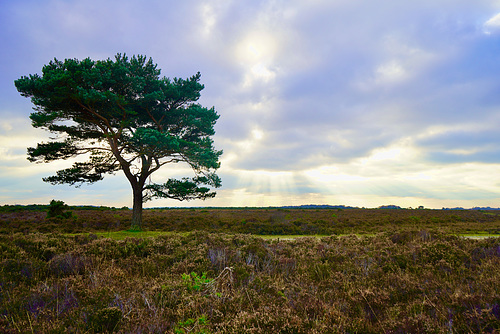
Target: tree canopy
122, 115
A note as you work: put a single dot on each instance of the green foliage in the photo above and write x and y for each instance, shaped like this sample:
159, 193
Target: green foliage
194, 282
106, 320
57, 210
185, 189
191, 325
124, 116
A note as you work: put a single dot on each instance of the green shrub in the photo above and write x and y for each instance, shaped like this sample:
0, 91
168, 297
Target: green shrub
194, 282
57, 209
195, 326
106, 320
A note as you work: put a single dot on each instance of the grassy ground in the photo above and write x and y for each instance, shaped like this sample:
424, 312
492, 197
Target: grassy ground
121, 235
408, 282
403, 275
260, 221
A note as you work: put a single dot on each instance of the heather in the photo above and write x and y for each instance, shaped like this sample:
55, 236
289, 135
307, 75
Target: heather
268, 221
401, 280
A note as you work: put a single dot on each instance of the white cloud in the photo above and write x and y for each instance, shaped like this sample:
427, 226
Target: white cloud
492, 25
209, 18
400, 63
344, 102
390, 72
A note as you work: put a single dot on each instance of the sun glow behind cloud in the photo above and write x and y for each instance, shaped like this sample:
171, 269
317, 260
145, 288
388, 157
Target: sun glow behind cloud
256, 53
321, 102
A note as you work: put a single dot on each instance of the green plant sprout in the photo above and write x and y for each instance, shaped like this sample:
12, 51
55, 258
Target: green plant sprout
194, 282
191, 325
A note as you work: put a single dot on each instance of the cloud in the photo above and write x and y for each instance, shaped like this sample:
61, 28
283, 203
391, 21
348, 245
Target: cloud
460, 144
492, 25
319, 100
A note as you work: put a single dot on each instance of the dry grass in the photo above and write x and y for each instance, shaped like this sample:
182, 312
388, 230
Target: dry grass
394, 282
260, 221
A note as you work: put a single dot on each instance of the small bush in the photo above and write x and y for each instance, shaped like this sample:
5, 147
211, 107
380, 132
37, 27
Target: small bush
67, 264
106, 319
194, 282
57, 210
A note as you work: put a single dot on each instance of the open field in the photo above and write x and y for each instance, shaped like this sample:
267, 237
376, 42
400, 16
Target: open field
401, 274
260, 221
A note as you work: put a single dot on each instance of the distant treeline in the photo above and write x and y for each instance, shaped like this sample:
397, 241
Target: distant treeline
487, 208
44, 207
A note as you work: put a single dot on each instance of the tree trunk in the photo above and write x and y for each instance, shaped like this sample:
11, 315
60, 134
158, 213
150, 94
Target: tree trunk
137, 208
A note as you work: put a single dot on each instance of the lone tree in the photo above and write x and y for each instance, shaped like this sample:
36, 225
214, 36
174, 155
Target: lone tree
120, 114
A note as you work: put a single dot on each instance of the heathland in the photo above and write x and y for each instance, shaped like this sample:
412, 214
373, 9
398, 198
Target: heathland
211, 271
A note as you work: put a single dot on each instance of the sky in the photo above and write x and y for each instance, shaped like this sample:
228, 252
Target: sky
340, 102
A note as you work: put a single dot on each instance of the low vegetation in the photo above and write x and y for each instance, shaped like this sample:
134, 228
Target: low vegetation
270, 221
402, 280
